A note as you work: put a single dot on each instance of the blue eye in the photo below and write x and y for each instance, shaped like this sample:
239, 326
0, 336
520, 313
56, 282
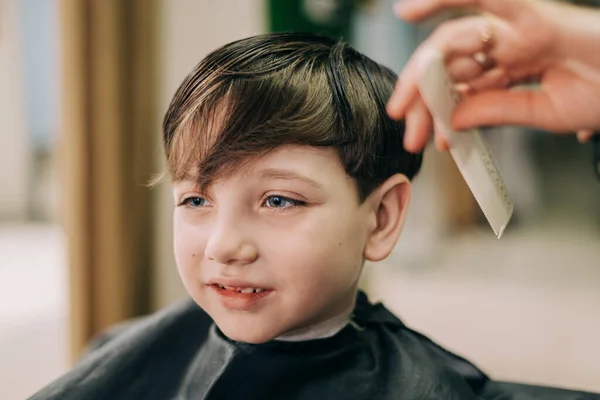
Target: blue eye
282, 202
195, 202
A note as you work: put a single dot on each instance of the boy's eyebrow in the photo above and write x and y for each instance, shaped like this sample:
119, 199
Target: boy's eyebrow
273, 173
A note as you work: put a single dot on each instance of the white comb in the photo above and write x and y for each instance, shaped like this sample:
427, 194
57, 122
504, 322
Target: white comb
468, 148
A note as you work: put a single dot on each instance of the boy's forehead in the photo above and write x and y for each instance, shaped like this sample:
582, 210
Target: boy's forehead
296, 157
311, 165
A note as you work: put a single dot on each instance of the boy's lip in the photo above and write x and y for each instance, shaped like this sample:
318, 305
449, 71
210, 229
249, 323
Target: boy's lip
236, 283
233, 296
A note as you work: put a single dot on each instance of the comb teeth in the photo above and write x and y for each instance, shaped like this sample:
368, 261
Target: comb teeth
468, 149
479, 170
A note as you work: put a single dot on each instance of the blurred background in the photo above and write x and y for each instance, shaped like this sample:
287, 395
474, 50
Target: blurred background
84, 244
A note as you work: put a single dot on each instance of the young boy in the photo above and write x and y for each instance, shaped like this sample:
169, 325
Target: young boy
288, 175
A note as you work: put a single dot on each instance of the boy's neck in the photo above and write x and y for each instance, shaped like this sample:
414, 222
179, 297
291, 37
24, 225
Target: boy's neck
320, 330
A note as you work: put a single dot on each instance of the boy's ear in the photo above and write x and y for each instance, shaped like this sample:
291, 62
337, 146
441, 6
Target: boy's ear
389, 203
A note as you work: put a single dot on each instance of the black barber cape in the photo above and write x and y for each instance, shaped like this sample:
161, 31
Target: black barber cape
179, 353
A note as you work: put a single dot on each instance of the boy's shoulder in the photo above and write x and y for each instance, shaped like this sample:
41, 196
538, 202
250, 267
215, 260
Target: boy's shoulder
142, 346
183, 314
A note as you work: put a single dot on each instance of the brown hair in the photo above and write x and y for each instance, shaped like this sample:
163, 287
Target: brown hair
250, 96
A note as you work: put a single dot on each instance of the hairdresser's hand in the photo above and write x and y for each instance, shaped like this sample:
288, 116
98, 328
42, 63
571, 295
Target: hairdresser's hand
526, 44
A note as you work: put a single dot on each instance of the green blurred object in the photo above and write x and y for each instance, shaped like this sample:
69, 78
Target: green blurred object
331, 18
586, 3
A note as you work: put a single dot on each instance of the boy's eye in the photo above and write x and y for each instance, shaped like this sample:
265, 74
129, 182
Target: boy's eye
195, 202
281, 202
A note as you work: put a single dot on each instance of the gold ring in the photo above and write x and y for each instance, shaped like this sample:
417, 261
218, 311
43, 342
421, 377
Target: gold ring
482, 58
487, 38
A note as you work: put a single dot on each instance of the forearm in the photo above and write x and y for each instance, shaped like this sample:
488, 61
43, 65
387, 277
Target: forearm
578, 32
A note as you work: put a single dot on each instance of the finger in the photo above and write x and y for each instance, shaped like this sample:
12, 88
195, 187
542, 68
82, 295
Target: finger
463, 88
464, 69
417, 10
506, 107
404, 92
496, 78
440, 140
452, 39
584, 135
418, 126
406, 89
460, 37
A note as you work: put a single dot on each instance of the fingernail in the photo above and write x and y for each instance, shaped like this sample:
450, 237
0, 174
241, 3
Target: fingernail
406, 143
584, 136
391, 108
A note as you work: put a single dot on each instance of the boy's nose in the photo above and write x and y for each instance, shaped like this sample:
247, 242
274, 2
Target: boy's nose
229, 245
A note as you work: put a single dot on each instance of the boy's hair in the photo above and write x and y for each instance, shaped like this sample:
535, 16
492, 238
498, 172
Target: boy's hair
253, 95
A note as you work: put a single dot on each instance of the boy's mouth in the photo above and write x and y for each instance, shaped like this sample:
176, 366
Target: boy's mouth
244, 290
239, 297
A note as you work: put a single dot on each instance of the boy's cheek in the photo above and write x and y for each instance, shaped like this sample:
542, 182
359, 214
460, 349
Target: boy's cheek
188, 242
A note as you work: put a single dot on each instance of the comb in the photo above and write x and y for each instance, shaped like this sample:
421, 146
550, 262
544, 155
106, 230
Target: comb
468, 148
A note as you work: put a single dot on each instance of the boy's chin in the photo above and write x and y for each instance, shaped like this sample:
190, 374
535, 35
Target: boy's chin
251, 336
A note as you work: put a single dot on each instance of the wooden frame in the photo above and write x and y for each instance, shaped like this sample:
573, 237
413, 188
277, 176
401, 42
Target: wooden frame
107, 149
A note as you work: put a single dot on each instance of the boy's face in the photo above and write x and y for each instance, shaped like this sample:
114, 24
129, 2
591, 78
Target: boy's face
290, 225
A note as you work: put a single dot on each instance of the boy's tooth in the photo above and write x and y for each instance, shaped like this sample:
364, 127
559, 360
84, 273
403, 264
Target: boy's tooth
245, 290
